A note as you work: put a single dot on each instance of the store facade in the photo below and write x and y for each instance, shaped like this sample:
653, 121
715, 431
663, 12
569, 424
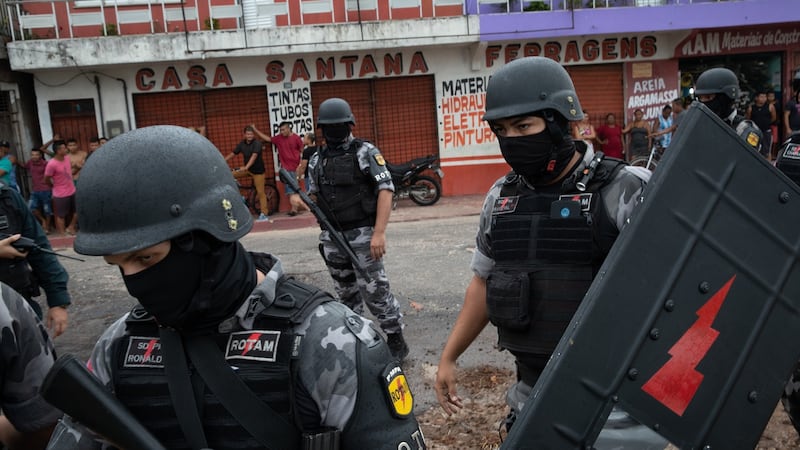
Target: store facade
410, 102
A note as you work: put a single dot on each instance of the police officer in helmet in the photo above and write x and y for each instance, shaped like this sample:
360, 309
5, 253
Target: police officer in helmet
544, 230
224, 350
354, 188
718, 89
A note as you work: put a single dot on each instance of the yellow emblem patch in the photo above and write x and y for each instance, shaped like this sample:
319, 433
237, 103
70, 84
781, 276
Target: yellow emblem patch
398, 393
379, 160
753, 139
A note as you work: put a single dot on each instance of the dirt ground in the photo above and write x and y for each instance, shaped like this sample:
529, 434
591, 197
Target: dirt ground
477, 426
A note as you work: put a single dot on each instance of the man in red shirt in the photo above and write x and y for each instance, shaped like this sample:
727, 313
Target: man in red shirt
609, 136
290, 147
42, 196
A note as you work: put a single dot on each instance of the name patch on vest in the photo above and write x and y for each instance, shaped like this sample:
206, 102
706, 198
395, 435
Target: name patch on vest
144, 352
397, 391
584, 199
505, 205
257, 345
792, 151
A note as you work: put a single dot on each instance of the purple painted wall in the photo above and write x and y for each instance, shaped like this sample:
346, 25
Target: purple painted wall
642, 19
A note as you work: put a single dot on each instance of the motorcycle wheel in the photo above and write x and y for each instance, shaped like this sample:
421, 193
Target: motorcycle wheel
425, 191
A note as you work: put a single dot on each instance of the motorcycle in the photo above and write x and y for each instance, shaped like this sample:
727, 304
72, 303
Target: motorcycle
409, 181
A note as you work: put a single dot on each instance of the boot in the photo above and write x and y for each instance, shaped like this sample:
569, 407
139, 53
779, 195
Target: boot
397, 345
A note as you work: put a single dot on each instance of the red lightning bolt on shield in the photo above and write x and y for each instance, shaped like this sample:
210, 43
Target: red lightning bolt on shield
150, 346
249, 342
676, 382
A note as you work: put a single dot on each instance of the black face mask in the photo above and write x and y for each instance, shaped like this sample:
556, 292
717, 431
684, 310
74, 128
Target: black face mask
167, 288
720, 105
536, 157
336, 134
191, 290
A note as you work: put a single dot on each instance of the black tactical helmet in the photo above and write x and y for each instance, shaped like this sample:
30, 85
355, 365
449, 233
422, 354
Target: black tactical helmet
335, 110
153, 184
531, 84
718, 81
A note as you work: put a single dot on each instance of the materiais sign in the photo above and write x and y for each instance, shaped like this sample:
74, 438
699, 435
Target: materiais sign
738, 41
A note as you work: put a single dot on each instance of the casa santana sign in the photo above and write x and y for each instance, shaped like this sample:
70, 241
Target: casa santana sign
318, 69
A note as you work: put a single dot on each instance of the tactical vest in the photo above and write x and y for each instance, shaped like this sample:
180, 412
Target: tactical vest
14, 272
547, 243
263, 357
348, 194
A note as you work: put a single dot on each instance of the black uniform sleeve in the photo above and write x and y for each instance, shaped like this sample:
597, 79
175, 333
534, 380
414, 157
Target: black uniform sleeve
49, 272
383, 417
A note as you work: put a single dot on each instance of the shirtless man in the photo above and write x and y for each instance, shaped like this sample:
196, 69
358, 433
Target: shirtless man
77, 158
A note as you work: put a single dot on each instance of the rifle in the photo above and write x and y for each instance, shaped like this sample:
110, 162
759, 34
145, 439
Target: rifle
289, 179
71, 388
25, 244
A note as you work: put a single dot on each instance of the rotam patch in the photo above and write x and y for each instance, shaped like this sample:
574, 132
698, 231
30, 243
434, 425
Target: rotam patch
398, 393
257, 345
144, 352
505, 205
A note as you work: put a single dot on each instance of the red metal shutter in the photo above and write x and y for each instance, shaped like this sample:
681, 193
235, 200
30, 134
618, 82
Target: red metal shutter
397, 114
224, 113
600, 91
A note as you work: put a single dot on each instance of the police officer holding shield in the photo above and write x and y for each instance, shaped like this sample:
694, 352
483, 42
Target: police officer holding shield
224, 350
544, 230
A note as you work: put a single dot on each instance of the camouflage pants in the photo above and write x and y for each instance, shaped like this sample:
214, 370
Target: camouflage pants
352, 289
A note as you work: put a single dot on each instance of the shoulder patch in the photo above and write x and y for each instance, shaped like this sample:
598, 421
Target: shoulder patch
144, 351
398, 394
256, 345
379, 159
505, 205
753, 139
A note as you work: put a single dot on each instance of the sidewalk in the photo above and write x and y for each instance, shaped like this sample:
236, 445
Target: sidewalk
406, 211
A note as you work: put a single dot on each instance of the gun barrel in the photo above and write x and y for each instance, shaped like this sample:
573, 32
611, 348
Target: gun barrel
71, 388
336, 235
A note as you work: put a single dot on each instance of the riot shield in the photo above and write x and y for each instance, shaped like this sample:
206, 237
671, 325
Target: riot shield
691, 324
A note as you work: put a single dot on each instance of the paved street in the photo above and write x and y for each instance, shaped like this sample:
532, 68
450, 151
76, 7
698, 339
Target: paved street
427, 263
